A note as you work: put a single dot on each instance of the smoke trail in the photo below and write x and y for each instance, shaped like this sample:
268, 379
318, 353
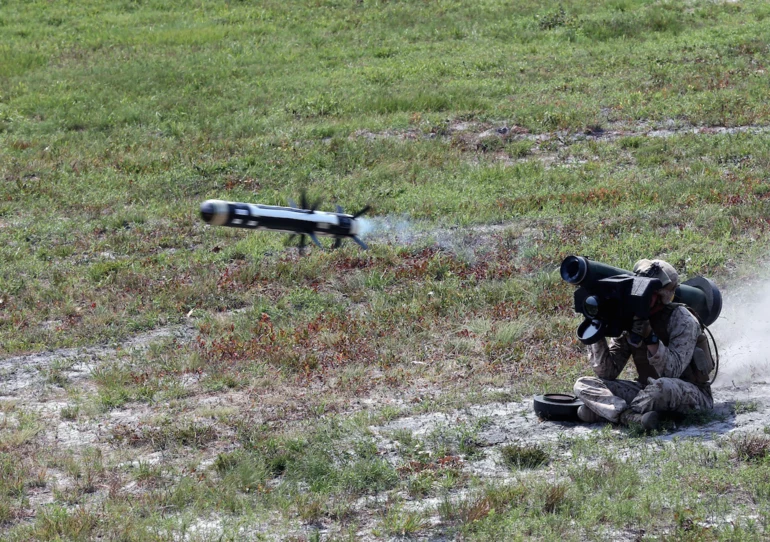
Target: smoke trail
467, 243
743, 337
397, 230
402, 231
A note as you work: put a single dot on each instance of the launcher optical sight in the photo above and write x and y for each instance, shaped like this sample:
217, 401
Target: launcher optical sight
610, 297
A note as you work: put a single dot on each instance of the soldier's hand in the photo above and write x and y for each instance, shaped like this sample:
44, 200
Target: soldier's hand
640, 330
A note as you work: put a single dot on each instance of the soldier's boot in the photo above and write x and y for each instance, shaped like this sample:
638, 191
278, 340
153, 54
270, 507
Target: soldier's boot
587, 415
650, 421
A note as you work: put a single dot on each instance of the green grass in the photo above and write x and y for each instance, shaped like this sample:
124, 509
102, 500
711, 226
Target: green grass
524, 457
118, 118
111, 140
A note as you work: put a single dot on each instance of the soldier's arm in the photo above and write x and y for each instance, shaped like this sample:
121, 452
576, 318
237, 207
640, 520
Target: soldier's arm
671, 360
608, 361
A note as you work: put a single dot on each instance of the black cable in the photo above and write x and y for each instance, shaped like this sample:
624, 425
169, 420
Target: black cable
715, 357
715, 354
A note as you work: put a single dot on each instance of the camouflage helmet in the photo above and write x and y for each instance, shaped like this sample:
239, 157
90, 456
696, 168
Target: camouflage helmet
661, 270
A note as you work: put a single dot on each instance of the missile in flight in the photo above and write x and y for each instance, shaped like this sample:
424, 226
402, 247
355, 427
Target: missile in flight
304, 221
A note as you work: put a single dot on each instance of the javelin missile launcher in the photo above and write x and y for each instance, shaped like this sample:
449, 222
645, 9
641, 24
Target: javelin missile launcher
610, 297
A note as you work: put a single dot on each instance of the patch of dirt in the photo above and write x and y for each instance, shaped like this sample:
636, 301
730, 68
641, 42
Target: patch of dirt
474, 133
490, 139
24, 375
516, 423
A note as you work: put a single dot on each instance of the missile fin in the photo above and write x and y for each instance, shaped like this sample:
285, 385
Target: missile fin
315, 240
337, 242
362, 211
339, 209
360, 243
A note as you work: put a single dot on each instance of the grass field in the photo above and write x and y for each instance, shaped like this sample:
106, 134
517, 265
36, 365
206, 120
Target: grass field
635, 129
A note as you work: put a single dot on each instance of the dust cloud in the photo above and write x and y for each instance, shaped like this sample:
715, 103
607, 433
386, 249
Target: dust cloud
742, 334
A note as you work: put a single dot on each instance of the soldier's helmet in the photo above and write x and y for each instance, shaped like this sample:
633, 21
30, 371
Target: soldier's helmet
664, 272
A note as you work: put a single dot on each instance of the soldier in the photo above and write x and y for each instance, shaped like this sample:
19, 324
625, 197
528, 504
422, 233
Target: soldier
671, 355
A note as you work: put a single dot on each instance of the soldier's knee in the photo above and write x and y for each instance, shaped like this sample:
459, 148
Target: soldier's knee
660, 394
578, 387
585, 382
663, 385
589, 381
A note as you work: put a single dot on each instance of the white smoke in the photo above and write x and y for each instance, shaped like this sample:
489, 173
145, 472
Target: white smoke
366, 226
397, 230
467, 243
742, 334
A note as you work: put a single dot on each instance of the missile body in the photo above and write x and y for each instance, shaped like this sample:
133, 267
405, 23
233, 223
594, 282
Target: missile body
291, 220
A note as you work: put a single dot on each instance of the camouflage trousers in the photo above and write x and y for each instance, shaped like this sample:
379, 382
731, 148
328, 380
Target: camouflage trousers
609, 398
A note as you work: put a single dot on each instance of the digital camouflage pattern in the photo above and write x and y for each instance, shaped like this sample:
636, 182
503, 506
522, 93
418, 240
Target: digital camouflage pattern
669, 381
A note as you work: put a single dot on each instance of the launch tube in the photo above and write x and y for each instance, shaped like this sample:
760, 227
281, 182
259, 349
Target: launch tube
698, 293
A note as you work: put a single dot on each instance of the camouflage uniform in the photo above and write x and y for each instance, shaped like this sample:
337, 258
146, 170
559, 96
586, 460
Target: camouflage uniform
675, 379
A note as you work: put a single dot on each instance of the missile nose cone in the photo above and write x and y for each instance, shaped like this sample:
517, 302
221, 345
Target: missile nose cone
208, 210
215, 212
